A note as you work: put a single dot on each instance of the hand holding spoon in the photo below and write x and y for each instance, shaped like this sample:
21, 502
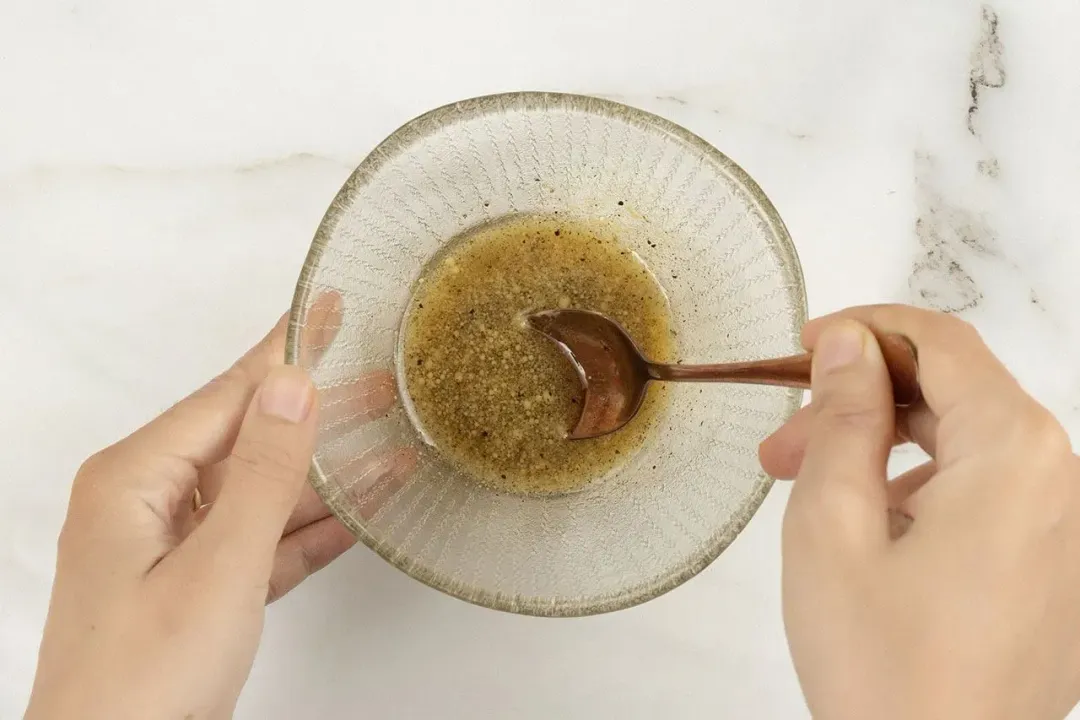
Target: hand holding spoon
614, 373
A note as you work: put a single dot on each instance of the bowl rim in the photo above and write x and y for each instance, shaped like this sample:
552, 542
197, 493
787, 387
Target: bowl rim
399, 141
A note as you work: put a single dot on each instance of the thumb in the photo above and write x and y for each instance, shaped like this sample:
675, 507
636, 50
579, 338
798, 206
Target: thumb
263, 475
842, 481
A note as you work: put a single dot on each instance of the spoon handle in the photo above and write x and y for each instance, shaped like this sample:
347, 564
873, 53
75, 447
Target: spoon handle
794, 371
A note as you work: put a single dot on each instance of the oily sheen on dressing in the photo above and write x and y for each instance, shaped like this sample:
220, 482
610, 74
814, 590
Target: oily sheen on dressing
493, 395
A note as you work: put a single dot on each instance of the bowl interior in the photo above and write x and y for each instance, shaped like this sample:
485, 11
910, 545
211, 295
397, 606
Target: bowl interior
735, 287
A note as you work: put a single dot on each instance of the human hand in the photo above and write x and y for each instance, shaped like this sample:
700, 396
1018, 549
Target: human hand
974, 610
158, 606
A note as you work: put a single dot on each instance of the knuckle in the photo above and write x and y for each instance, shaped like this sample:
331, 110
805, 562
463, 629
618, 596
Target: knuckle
89, 475
1046, 436
235, 375
933, 326
950, 331
84, 527
94, 464
967, 335
959, 327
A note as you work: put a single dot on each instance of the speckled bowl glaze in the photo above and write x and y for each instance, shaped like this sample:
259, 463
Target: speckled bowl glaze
735, 286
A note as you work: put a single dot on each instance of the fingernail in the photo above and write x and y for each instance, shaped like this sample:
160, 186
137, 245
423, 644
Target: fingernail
839, 345
287, 394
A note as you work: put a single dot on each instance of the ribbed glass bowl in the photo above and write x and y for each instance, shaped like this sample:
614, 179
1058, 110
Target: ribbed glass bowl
736, 292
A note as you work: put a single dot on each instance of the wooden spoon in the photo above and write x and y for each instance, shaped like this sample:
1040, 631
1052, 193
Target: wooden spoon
614, 373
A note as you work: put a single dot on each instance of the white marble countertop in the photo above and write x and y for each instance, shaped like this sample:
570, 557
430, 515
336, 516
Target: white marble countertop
162, 172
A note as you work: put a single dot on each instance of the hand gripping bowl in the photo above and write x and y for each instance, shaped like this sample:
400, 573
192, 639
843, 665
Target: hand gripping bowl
736, 292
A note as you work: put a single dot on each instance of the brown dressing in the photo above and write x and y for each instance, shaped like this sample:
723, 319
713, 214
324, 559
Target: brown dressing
495, 396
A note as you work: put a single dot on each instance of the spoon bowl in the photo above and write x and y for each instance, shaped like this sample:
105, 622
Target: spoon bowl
613, 373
